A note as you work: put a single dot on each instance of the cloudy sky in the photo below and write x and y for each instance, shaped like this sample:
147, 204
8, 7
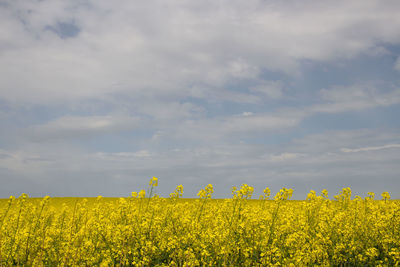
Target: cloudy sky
97, 97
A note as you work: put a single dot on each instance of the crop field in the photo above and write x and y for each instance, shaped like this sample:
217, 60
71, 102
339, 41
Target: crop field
146, 230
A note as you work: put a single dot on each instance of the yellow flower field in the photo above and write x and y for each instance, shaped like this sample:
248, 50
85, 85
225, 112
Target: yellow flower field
146, 230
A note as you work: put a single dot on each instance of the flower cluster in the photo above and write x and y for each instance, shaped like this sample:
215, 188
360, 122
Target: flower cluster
245, 192
284, 194
145, 230
207, 192
178, 192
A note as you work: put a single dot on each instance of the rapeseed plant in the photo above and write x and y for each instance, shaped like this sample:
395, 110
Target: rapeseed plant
146, 230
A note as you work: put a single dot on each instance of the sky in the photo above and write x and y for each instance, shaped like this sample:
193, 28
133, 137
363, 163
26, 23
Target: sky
97, 97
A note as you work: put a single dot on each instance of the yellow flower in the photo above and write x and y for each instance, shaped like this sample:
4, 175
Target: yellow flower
267, 192
142, 194
385, 196
153, 181
194, 232
324, 193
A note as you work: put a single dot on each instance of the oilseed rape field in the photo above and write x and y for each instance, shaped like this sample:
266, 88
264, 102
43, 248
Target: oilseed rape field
147, 230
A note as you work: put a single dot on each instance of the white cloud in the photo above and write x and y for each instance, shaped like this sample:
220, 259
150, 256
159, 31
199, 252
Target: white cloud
23, 162
152, 48
79, 126
333, 141
284, 157
124, 156
369, 148
260, 122
170, 68
247, 113
356, 98
312, 162
217, 129
272, 89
